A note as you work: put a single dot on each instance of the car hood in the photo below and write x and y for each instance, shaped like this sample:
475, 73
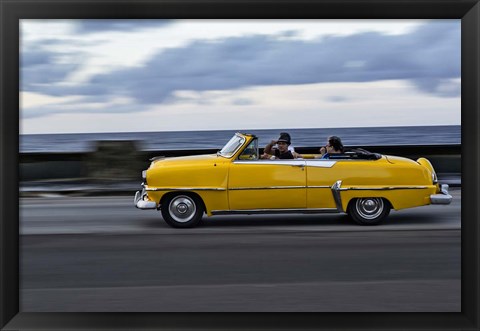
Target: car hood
169, 161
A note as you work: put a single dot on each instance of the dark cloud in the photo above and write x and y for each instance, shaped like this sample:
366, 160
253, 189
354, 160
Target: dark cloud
35, 57
428, 56
101, 25
39, 69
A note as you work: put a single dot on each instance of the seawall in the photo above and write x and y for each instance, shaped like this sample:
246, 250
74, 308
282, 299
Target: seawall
122, 161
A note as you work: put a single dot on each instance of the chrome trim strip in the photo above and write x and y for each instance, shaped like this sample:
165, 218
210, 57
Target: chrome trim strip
185, 189
320, 163
275, 187
336, 188
276, 211
266, 188
297, 163
383, 188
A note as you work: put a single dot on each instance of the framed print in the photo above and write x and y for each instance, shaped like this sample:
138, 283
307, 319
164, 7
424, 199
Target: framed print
109, 108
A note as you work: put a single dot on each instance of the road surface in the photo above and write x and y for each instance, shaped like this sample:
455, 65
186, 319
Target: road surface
98, 254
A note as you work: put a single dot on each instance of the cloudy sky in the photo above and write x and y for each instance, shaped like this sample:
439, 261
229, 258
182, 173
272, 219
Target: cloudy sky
172, 75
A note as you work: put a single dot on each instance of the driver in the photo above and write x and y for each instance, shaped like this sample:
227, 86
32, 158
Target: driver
281, 151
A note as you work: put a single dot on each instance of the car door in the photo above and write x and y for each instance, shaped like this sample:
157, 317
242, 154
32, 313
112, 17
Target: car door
267, 184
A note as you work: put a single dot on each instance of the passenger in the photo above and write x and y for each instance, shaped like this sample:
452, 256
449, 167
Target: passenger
282, 151
334, 146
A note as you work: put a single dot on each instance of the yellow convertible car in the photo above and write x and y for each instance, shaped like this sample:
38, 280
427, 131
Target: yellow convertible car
237, 181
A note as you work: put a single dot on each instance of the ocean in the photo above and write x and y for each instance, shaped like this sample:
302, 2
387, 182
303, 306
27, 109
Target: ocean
152, 141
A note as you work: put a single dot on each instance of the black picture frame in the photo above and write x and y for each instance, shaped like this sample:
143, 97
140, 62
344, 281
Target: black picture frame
12, 11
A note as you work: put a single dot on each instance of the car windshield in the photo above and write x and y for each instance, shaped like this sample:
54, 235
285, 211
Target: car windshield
232, 146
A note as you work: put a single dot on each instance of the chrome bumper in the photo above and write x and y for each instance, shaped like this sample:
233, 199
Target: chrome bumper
442, 198
143, 204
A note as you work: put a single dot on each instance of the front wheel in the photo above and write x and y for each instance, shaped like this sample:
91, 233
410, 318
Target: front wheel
182, 210
368, 211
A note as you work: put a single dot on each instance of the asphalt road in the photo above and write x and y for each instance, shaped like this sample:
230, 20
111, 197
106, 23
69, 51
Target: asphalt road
102, 254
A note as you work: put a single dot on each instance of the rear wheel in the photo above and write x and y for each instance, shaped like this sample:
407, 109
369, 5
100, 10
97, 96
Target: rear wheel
182, 210
368, 211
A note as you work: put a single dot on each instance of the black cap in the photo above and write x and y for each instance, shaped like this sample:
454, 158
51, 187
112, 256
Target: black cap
285, 137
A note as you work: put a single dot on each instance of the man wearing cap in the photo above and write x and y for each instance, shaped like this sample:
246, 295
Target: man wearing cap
282, 151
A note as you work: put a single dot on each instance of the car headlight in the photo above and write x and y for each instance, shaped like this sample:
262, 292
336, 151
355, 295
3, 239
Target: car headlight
434, 177
144, 174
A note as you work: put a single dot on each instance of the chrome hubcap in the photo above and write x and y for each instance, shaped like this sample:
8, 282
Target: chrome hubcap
369, 208
182, 208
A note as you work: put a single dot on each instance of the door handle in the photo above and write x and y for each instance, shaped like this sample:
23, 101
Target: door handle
298, 165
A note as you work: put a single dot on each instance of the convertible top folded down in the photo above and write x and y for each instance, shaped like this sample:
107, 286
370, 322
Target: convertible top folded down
356, 154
